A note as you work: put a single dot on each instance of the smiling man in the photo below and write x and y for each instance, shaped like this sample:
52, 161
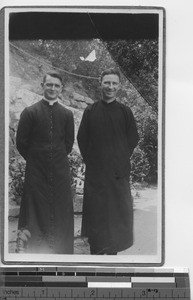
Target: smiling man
107, 137
44, 138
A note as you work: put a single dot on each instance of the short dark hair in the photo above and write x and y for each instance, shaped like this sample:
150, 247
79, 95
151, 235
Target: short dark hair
109, 72
52, 74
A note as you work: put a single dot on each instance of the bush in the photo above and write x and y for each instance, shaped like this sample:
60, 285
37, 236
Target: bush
147, 124
77, 168
16, 178
149, 145
139, 165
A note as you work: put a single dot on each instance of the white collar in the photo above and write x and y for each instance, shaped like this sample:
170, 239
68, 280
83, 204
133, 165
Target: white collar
51, 102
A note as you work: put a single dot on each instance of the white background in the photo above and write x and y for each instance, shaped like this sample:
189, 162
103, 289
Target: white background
179, 121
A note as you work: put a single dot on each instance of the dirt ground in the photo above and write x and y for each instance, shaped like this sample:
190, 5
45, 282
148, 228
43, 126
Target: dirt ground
145, 226
145, 223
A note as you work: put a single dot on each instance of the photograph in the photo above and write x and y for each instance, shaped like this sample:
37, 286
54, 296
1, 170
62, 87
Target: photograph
84, 135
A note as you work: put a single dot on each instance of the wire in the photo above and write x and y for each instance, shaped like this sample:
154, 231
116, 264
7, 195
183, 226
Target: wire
84, 76
44, 63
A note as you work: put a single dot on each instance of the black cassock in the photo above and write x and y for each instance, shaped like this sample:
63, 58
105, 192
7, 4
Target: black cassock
107, 137
44, 138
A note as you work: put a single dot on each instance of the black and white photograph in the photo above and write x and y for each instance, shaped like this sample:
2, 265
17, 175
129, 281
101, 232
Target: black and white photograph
84, 135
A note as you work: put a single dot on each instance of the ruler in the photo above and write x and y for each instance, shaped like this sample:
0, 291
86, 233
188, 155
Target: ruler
68, 283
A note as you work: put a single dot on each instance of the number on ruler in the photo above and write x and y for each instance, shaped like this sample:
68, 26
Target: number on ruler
144, 293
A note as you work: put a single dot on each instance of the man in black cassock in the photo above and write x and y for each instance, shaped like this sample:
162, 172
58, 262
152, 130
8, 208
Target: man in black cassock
107, 137
44, 138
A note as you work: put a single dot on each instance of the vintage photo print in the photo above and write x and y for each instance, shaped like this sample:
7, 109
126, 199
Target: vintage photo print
84, 135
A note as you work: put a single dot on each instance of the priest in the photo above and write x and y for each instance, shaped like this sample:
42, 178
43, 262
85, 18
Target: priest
107, 137
45, 137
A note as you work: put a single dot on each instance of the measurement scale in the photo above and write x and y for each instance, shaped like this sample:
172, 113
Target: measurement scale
93, 283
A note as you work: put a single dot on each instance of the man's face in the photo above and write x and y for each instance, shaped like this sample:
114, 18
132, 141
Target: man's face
109, 86
52, 87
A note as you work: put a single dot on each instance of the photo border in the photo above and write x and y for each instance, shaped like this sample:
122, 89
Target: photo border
109, 261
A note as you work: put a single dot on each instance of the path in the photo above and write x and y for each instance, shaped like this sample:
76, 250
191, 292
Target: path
145, 223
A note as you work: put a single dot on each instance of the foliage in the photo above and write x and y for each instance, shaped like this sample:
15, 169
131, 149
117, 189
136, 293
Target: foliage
16, 177
138, 60
149, 144
139, 165
146, 120
76, 167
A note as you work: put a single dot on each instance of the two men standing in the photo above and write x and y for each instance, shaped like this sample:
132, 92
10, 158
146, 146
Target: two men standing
107, 137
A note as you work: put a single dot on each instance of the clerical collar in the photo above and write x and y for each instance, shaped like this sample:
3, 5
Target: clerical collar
108, 103
51, 102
